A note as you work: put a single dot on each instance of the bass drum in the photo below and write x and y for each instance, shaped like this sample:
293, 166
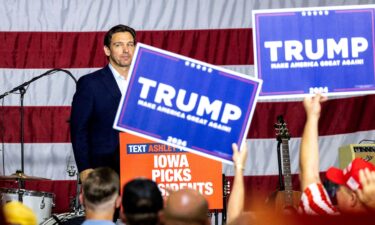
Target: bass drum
40, 202
65, 219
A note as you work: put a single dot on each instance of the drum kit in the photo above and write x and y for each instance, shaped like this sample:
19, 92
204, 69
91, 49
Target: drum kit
40, 202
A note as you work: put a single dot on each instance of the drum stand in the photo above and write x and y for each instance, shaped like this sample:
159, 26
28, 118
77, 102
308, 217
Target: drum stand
19, 176
76, 207
21, 183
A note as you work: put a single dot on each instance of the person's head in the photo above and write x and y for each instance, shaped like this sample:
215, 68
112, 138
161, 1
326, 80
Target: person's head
119, 45
348, 181
186, 206
100, 191
141, 202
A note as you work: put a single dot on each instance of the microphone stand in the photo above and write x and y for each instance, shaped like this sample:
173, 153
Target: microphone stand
21, 183
22, 86
22, 90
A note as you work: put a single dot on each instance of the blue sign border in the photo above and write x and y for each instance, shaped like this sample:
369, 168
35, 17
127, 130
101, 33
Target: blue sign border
290, 83
144, 124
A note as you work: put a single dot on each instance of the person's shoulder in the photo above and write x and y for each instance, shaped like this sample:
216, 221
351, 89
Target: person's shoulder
94, 75
315, 185
316, 201
97, 222
313, 189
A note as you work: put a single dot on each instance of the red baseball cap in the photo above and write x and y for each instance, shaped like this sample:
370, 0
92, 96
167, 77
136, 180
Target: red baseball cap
350, 175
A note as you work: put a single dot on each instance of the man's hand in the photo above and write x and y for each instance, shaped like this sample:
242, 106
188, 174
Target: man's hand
83, 175
312, 105
367, 193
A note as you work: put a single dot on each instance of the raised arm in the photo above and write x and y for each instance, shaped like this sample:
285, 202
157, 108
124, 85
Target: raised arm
309, 155
237, 197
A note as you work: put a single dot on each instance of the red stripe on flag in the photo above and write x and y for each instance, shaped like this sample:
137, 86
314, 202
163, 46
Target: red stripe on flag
41, 124
85, 49
339, 116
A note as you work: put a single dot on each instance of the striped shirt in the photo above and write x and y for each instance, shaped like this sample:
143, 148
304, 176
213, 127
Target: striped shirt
315, 201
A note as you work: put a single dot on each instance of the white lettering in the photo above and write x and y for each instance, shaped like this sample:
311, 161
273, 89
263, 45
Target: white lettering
206, 106
359, 44
293, 49
333, 47
296, 50
165, 93
171, 175
137, 148
349, 62
146, 84
279, 65
231, 112
155, 174
319, 49
170, 161
205, 188
180, 101
273, 46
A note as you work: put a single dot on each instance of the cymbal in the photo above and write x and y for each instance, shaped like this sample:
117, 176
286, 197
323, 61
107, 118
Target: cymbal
21, 176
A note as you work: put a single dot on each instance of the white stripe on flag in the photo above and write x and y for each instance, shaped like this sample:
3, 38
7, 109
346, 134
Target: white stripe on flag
56, 89
39, 15
52, 160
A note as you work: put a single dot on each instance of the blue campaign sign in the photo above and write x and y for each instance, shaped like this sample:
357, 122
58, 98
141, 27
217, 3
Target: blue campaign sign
308, 50
186, 103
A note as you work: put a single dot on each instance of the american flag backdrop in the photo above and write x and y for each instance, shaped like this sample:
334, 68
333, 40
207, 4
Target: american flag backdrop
38, 35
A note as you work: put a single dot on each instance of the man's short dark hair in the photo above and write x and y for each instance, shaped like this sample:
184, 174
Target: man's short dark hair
117, 29
100, 185
141, 201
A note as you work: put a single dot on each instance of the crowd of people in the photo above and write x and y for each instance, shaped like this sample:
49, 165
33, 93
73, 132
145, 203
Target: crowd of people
142, 202
96, 149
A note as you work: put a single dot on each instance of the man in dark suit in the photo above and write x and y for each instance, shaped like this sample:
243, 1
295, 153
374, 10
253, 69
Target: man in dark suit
94, 106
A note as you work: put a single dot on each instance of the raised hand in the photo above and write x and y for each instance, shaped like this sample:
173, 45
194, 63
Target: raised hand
367, 193
239, 157
312, 105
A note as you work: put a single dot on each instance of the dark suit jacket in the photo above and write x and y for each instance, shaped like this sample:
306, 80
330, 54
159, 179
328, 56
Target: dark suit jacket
94, 106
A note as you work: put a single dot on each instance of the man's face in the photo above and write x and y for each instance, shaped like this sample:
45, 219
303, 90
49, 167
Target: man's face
121, 49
